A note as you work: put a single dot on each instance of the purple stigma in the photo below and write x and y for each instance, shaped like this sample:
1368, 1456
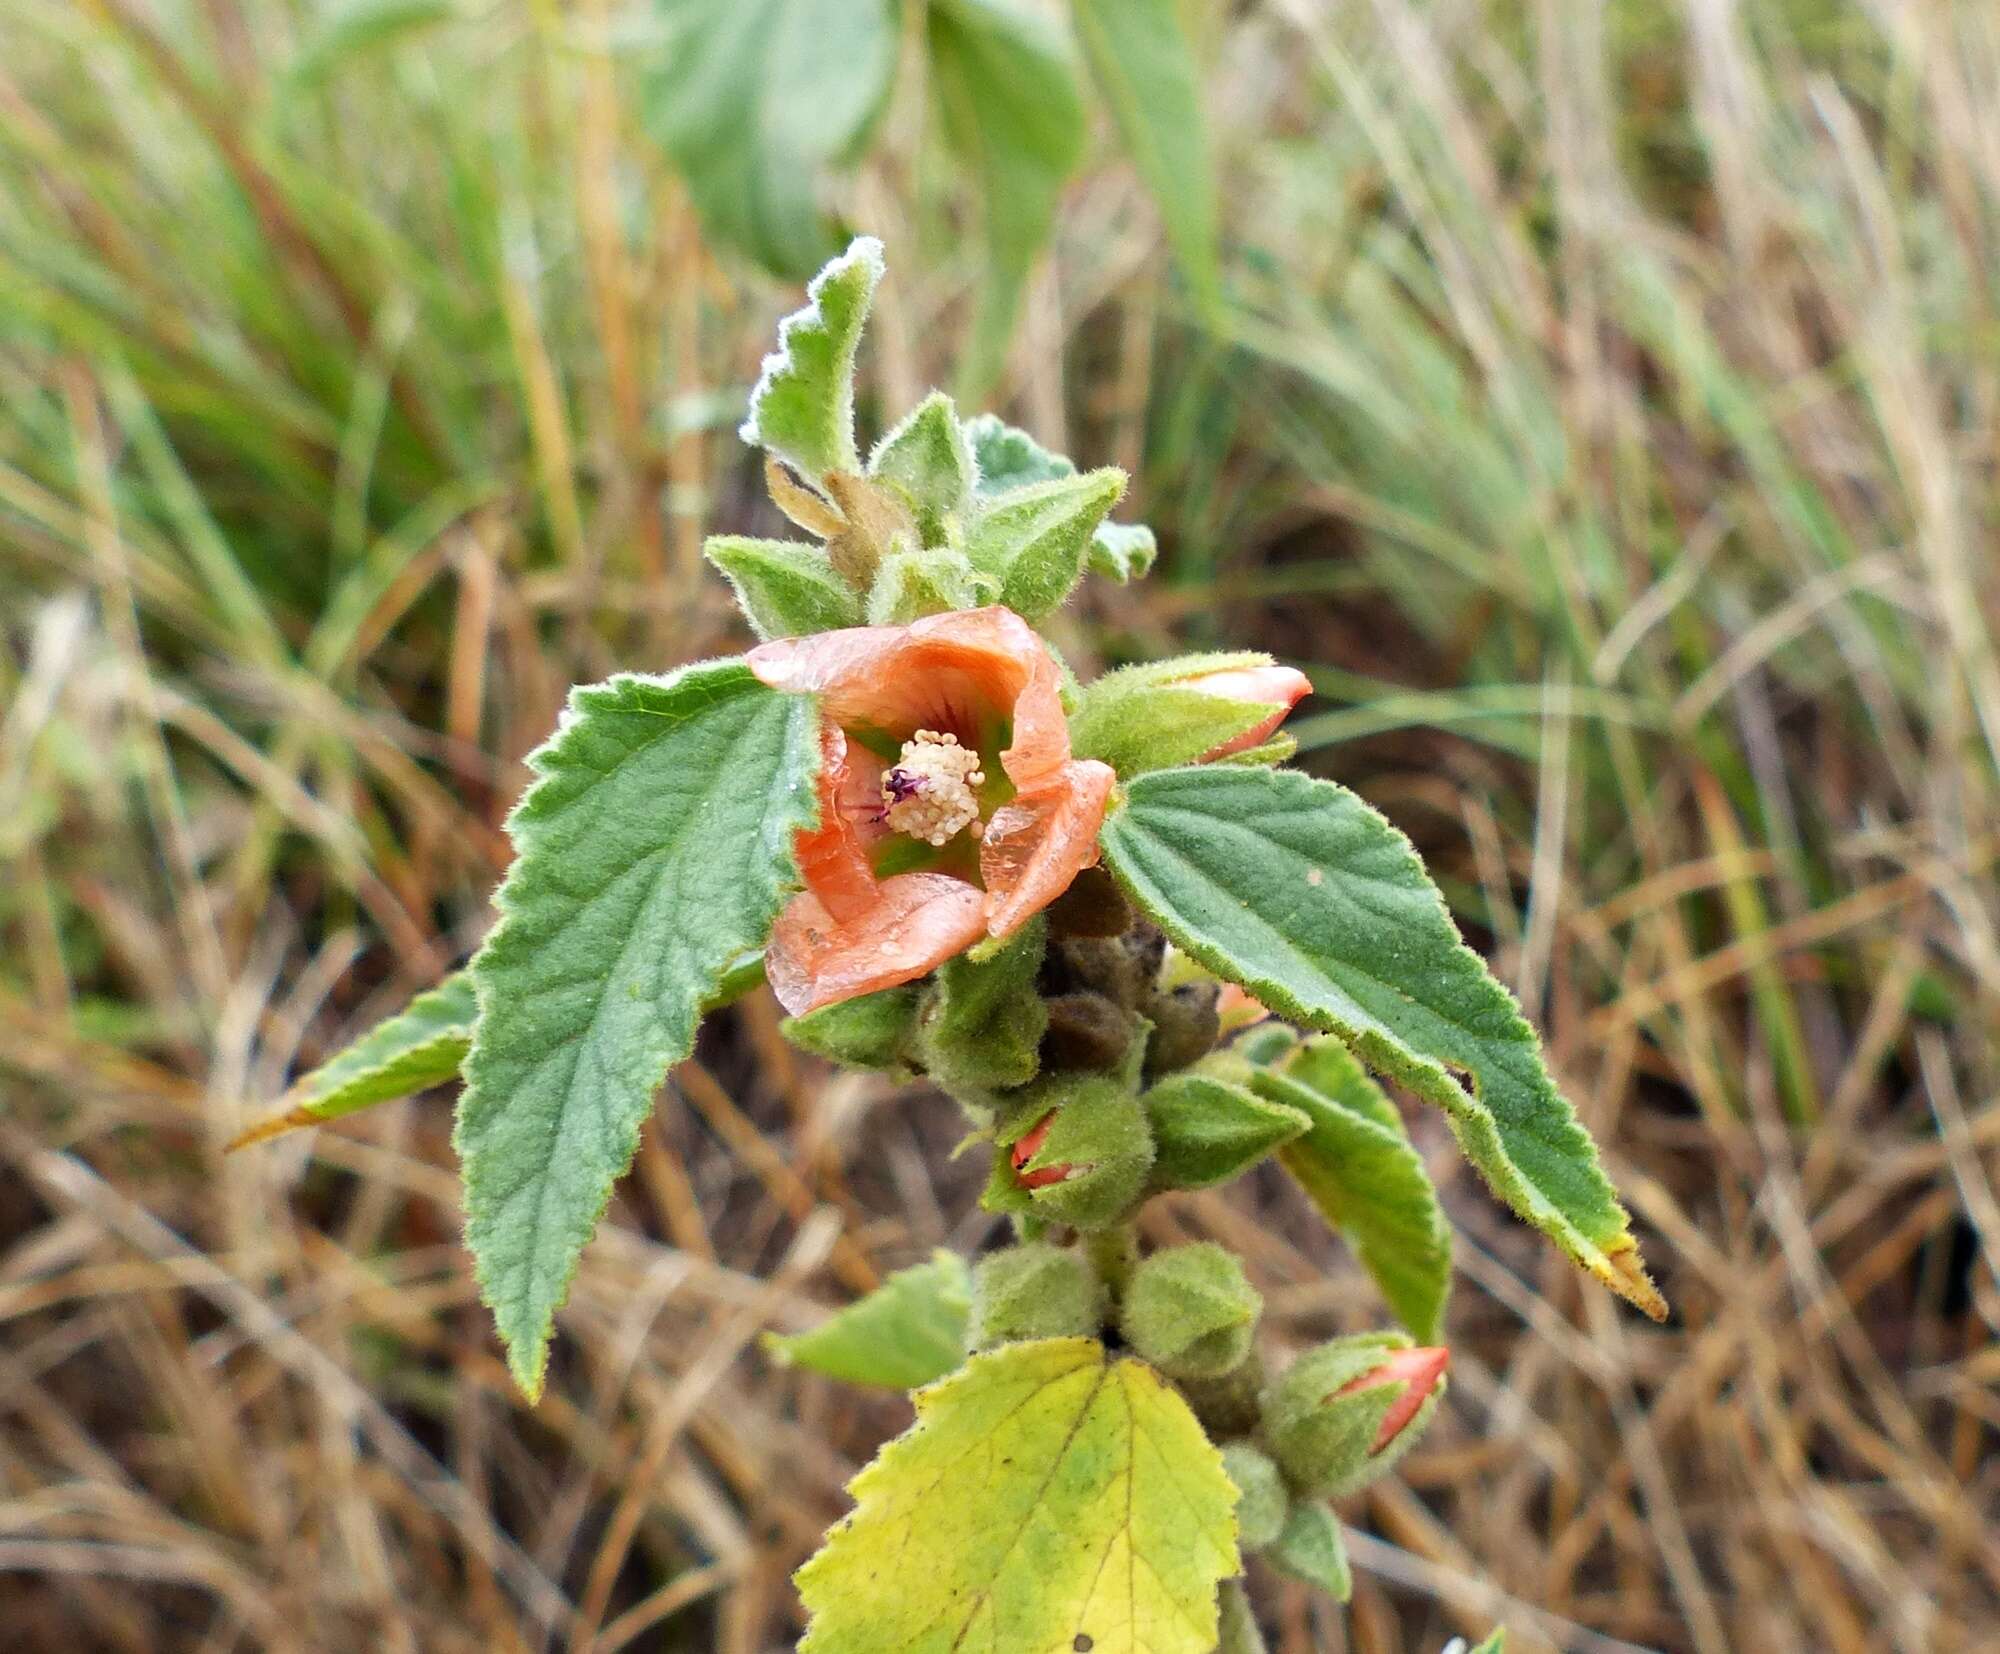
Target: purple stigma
900, 784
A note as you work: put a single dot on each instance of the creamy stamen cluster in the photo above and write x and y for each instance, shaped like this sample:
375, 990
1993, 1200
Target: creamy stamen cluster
930, 791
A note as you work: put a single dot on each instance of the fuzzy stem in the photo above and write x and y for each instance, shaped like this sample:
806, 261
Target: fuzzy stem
1115, 1254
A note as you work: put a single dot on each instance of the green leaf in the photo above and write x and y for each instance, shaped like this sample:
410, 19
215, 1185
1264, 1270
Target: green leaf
1007, 94
1494, 1644
802, 408
912, 584
871, 1031
1033, 540
909, 1331
752, 99
785, 588
1142, 61
1207, 1131
1311, 1549
1136, 722
1008, 458
1122, 551
422, 1045
1048, 1497
653, 852
1309, 899
1357, 1165
927, 454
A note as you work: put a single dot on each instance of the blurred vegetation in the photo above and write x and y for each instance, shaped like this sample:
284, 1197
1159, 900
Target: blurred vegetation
1599, 400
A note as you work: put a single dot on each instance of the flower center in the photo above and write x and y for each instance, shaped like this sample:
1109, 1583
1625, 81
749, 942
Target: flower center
929, 792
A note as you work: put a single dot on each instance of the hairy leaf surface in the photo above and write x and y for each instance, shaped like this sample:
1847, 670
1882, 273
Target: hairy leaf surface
1308, 898
907, 1332
1048, 1498
653, 852
802, 406
1358, 1167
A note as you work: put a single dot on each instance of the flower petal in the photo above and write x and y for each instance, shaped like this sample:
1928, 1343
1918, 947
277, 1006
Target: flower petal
833, 858
1418, 1371
1279, 687
913, 924
1037, 844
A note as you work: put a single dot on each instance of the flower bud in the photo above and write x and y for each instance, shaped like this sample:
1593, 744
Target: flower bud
872, 1031
1345, 1412
1191, 1312
1033, 1291
1279, 687
1185, 1027
1261, 1501
1207, 1130
1075, 1151
981, 1023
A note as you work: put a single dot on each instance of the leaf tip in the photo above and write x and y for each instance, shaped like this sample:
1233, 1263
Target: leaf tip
275, 1125
1625, 1274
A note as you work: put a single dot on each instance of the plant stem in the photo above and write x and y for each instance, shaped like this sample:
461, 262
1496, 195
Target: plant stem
1115, 1253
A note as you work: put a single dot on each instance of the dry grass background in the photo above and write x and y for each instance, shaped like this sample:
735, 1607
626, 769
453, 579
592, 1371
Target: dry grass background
1605, 411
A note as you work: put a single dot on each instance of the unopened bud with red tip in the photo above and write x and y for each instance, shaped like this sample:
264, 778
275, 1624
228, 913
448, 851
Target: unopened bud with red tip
1075, 1152
1279, 687
1346, 1412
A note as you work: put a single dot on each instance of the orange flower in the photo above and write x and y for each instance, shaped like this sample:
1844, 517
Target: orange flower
1279, 687
926, 844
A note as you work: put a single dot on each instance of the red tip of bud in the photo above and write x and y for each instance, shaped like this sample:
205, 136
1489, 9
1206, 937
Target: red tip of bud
1418, 1371
1030, 1146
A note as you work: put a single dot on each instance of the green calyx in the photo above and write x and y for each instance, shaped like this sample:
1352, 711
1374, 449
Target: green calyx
1262, 1504
981, 1026
1322, 1433
1208, 1130
1074, 1150
1034, 1291
1191, 1311
873, 1031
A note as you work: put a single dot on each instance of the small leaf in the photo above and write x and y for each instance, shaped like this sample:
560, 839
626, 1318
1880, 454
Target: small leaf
871, 1031
908, 1332
653, 852
1122, 551
422, 1045
785, 588
1136, 726
1311, 1549
928, 454
1357, 1166
1141, 59
1012, 112
1008, 458
752, 99
1048, 1497
802, 408
1298, 891
1033, 540
1207, 1131
1495, 1643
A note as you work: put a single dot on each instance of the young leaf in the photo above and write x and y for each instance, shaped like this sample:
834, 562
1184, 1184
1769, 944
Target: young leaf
653, 851
1142, 61
1008, 458
1297, 890
1048, 1497
1033, 540
420, 1046
908, 1332
802, 408
928, 455
1122, 551
912, 584
1012, 112
1311, 1549
753, 98
785, 588
1357, 1166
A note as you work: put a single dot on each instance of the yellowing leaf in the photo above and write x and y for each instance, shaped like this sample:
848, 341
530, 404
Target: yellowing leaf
1049, 1498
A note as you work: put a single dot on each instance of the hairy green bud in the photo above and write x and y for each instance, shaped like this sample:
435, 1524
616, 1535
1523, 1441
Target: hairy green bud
1075, 1150
1310, 1548
1087, 1031
1033, 1291
982, 1022
1262, 1504
1344, 1413
1191, 1311
1209, 1131
1228, 1406
870, 1032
